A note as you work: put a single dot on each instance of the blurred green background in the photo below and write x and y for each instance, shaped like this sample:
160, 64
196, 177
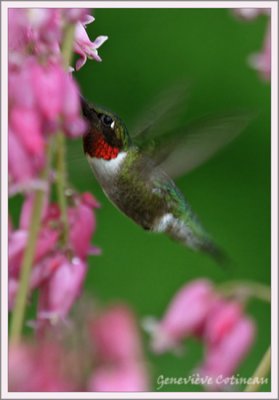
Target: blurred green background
147, 50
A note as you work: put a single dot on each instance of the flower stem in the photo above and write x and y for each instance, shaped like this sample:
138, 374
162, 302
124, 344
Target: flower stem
67, 47
261, 372
61, 184
246, 289
25, 271
61, 180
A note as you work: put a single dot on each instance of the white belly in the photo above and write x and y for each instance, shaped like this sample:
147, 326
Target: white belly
105, 169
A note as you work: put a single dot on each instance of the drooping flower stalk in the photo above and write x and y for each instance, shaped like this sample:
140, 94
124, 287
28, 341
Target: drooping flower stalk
61, 184
261, 372
246, 289
44, 104
34, 227
67, 48
60, 140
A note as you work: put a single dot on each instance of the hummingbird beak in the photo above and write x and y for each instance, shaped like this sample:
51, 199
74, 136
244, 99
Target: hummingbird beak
88, 111
85, 107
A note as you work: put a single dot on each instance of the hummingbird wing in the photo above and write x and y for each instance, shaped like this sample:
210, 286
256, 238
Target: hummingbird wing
162, 114
180, 151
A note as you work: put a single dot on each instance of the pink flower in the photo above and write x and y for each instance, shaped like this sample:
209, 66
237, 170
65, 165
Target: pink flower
39, 368
42, 101
39, 29
184, 315
61, 361
250, 13
221, 318
27, 125
199, 311
115, 336
46, 242
117, 350
18, 31
58, 278
48, 86
22, 166
82, 224
262, 60
77, 14
62, 289
130, 377
224, 357
43, 97
85, 48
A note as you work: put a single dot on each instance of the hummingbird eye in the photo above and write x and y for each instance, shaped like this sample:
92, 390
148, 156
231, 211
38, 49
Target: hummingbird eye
107, 120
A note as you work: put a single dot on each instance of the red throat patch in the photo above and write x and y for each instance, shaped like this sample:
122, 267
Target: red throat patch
101, 149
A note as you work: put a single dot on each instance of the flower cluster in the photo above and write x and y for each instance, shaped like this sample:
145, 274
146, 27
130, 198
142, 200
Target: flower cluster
107, 356
199, 311
118, 353
57, 272
43, 97
44, 106
261, 61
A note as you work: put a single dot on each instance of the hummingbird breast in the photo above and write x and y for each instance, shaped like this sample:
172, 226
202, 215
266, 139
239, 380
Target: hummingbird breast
130, 181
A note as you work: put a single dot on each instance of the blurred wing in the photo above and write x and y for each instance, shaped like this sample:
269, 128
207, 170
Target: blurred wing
162, 114
181, 151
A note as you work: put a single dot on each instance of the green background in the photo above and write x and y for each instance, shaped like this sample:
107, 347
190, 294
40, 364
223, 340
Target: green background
147, 50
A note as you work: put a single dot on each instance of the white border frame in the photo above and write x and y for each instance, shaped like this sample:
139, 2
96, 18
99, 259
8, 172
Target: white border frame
274, 198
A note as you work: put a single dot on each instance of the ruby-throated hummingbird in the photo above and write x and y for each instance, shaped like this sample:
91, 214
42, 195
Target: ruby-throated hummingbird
135, 173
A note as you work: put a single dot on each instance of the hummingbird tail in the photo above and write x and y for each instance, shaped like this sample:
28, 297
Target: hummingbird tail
218, 254
197, 239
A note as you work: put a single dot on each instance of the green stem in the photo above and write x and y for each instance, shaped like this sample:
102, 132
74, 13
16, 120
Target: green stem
261, 372
61, 184
246, 290
25, 271
67, 48
61, 181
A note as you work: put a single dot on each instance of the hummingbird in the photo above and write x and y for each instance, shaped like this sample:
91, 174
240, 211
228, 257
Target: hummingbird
136, 172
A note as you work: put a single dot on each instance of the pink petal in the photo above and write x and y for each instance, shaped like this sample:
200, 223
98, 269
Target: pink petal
39, 368
21, 91
48, 85
17, 25
75, 127
88, 19
115, 335
220, 320
184, 316
82, 226
130, 377
21, 166
46, 242
43, 270
84, 47
225, 358
99, 41
26, 211
88, 199
262, 61
17, 243
78, 14
62, 289
26, 124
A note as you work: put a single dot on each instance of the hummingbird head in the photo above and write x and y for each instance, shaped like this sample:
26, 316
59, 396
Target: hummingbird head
107, 135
